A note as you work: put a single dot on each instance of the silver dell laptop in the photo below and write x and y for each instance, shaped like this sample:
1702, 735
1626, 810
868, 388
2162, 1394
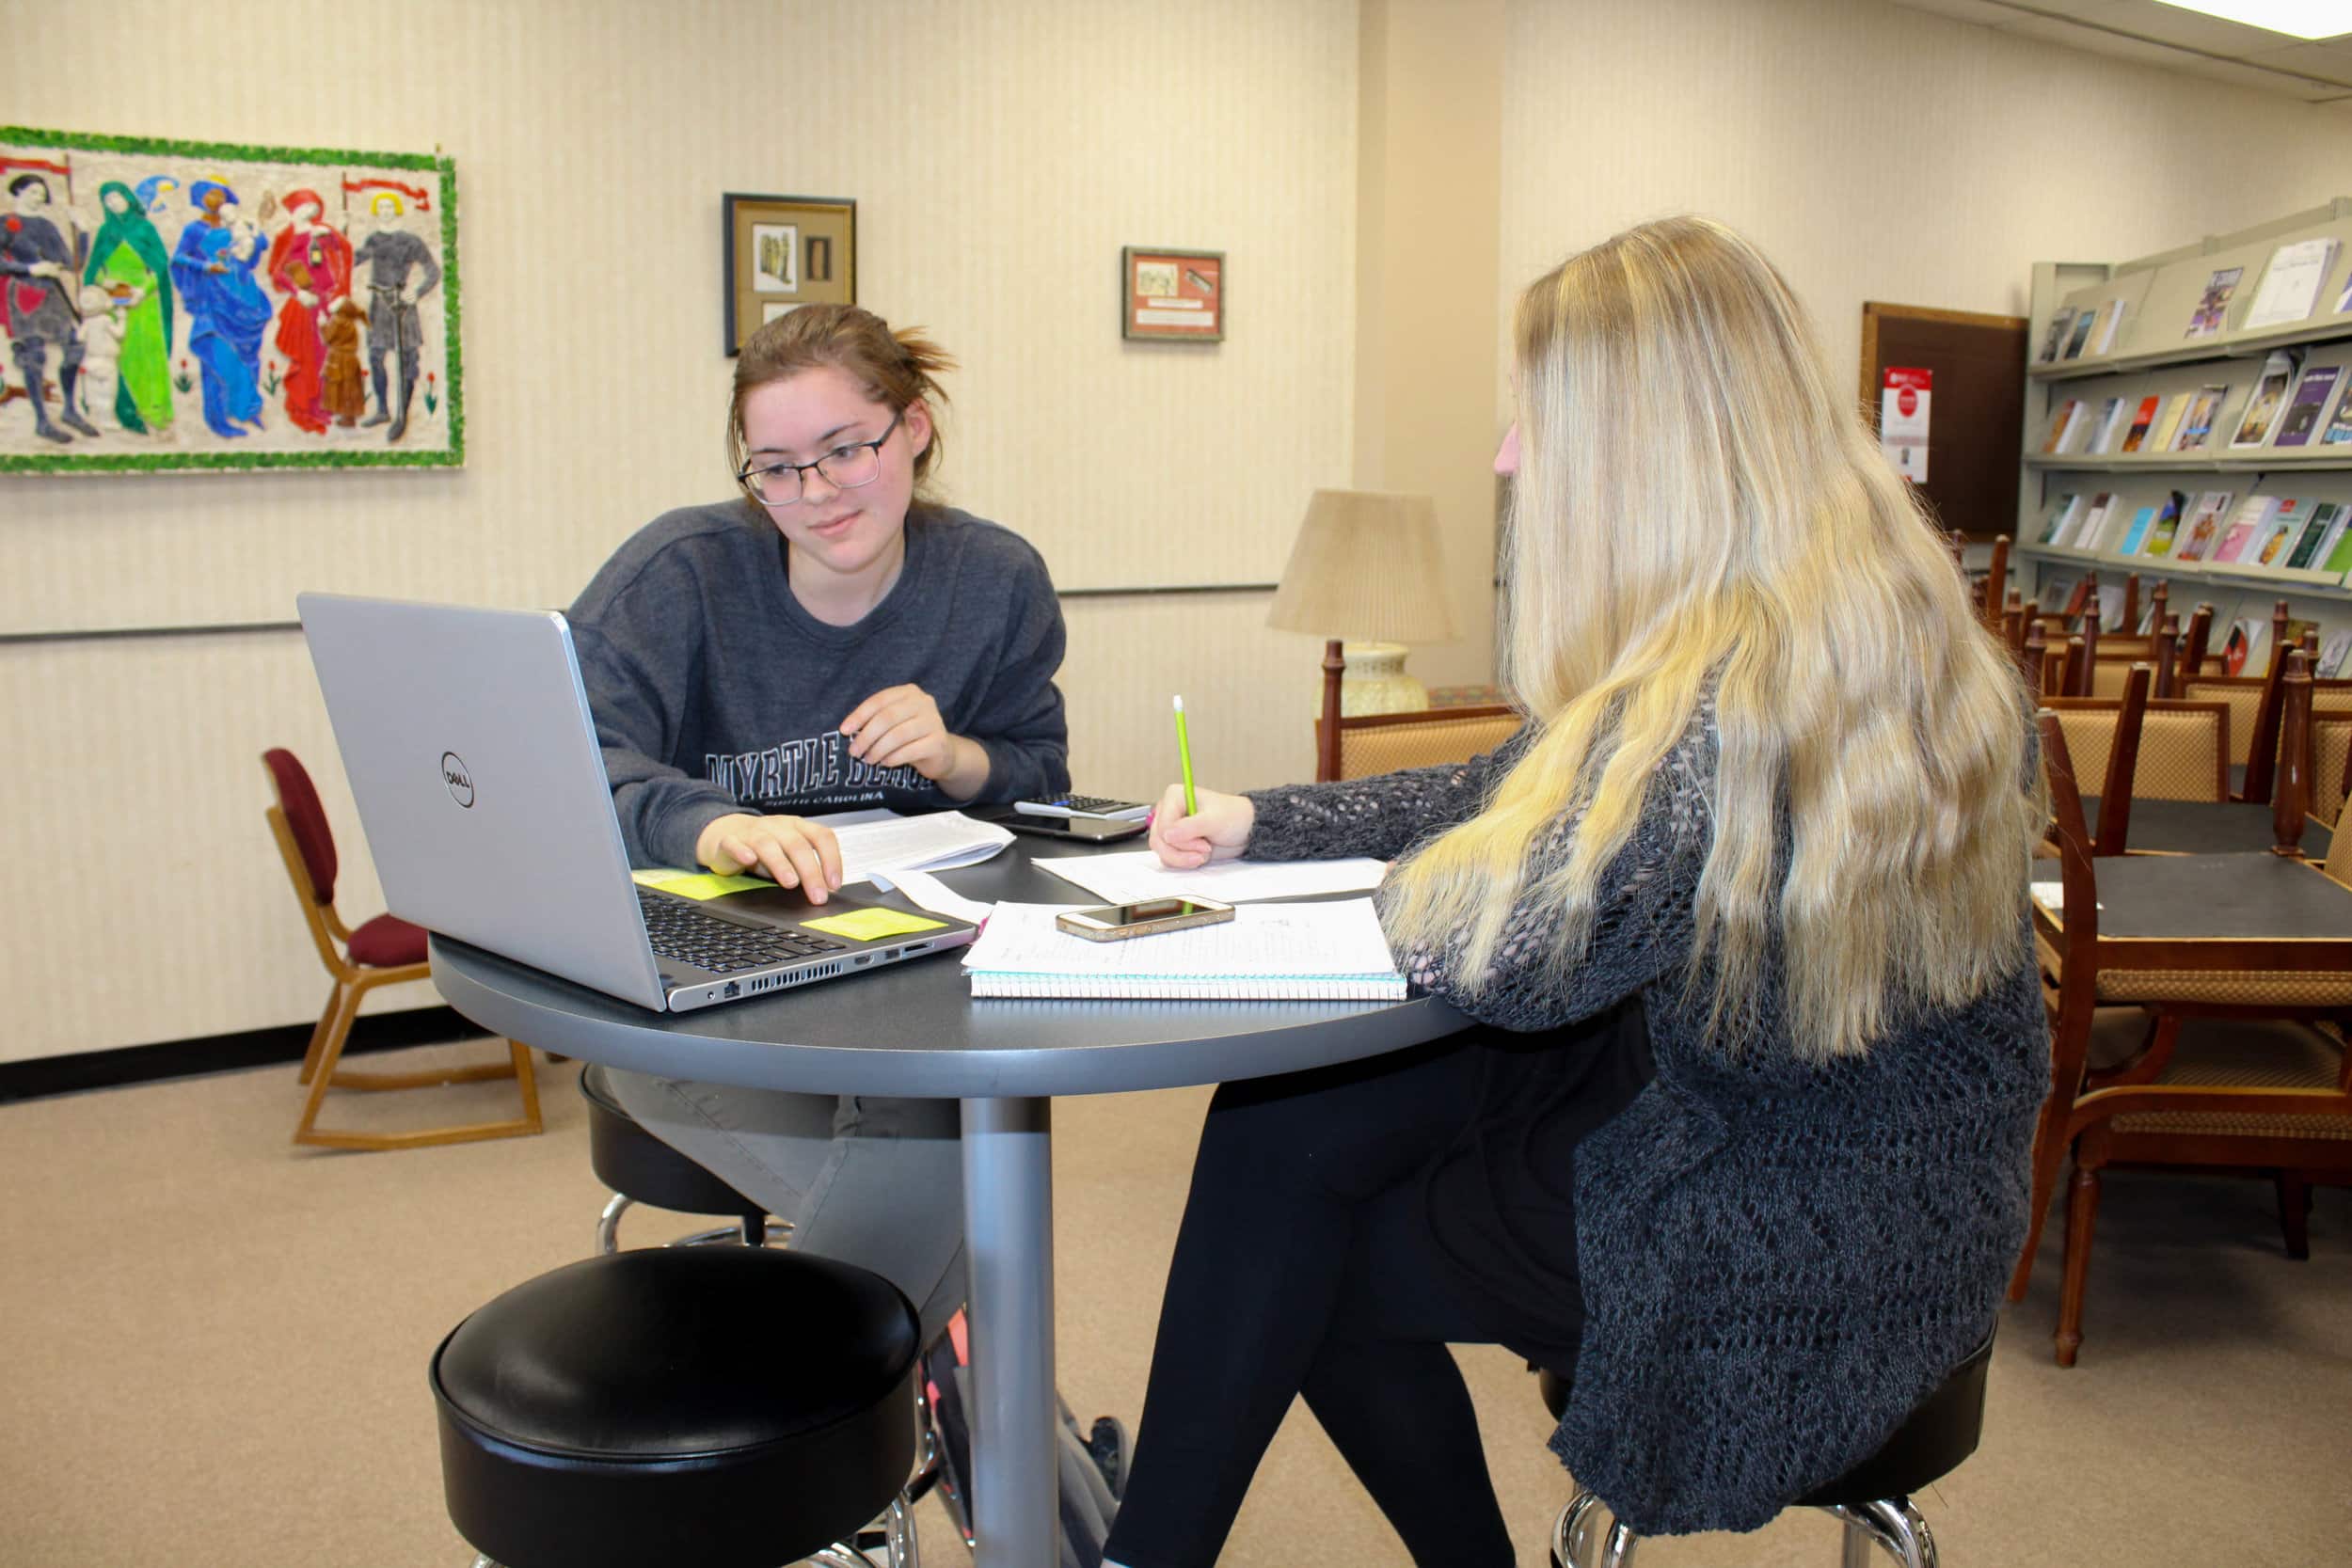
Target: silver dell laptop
470, 750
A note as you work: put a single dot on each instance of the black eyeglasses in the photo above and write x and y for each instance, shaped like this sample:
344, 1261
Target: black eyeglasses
844, 469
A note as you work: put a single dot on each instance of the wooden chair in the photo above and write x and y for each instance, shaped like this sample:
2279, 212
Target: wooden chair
2332, 764
1360, 747
2255, 708
2134, 945
385, 951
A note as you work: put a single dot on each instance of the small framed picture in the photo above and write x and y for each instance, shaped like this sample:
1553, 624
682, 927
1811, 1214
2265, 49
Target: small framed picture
782, 252
1173, 295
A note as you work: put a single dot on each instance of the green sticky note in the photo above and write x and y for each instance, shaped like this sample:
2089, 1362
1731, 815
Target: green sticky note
699, 884
872, 924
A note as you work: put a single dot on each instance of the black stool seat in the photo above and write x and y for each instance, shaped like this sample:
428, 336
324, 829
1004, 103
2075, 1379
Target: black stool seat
1942, 1429
635, 1164
732, 1408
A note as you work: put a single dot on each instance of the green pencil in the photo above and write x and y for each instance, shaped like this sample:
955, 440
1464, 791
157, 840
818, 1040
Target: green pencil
1183, 755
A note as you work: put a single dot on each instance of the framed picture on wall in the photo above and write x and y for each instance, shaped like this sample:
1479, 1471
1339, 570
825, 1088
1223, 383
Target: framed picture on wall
183, 306
1173, 295
783, 252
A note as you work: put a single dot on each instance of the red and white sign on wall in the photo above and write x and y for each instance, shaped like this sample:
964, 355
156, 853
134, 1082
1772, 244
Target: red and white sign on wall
1904, 394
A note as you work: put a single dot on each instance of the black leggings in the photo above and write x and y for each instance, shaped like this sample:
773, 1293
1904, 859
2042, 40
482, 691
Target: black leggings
1305, 1265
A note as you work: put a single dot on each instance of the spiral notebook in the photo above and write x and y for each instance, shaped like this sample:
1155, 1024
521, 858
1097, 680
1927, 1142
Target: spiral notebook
1322, 952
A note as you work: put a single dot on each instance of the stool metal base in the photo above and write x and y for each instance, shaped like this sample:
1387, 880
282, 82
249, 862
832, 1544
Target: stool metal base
609, 1230
1891, 1525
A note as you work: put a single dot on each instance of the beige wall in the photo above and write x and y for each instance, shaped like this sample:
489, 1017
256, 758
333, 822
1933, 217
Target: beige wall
1000, 153
1878, 154
1428, 173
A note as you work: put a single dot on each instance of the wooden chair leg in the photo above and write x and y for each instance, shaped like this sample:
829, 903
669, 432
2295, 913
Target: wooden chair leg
2295, 1208
2082, 1212
2049, 1158
334, 1028
527, 1081
318, 1036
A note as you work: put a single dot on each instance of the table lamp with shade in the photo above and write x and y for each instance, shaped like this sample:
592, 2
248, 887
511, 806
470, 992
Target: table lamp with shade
1366, 575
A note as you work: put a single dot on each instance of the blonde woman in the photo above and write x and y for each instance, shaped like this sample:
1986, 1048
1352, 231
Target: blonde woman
1741, 1137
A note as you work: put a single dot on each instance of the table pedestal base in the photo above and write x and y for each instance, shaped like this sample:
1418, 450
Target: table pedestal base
1008, 1237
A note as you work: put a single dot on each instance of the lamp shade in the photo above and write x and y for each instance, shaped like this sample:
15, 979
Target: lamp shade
1365, 568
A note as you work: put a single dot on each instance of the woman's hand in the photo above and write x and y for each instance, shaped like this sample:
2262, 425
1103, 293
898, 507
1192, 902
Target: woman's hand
793, 851
899, 726
1215, 832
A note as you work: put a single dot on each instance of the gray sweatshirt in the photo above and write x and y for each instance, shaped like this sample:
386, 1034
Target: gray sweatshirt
715, 691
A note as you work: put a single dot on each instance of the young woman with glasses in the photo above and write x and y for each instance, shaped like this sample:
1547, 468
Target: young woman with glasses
1739, 1137
829, 641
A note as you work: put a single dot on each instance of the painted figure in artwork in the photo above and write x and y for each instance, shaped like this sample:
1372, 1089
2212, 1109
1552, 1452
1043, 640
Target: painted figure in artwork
213, 269
401, 271
129, 264
101, 350
37, 272
345, 396
310, 264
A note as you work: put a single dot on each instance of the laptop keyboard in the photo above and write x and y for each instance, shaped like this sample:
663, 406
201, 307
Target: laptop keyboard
680, 931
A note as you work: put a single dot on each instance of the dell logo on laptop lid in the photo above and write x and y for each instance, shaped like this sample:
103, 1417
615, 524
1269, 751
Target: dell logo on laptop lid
460, 782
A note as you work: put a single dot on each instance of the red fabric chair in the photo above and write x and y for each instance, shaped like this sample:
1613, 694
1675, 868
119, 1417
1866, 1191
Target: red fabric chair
384, 951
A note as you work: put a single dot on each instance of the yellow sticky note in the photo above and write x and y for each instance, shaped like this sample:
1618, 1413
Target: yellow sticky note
698, 885
872, 924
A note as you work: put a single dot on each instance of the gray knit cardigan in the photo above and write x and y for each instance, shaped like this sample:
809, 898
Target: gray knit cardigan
1778, 1258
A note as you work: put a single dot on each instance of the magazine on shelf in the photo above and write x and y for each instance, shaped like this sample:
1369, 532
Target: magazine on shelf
2318, 537
2167, 524
2136, 536
2103, 331
2278, 531
2064, 425
2080, 335
2113, 522
2112, 607
2333, 649
2213, 306
2168, 422
2339, 429
2205, 408
2111, 421
2291, 284
2268, 402
2203, 527
2309, 403
2243, 644
2336, 557
2082, 523
2060, 515
2251, 517
2055, 338
2143, 421
2343, 300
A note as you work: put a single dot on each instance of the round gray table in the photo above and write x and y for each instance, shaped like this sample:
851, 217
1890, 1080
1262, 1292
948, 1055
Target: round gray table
914, 1029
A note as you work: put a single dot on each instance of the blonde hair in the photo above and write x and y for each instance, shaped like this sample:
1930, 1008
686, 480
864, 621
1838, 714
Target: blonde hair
1696, 507
893, 368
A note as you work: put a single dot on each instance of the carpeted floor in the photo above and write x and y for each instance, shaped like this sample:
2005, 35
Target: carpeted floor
215, 1345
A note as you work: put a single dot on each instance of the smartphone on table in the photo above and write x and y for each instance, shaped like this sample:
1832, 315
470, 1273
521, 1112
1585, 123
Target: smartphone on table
1085, 805
1117, 922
